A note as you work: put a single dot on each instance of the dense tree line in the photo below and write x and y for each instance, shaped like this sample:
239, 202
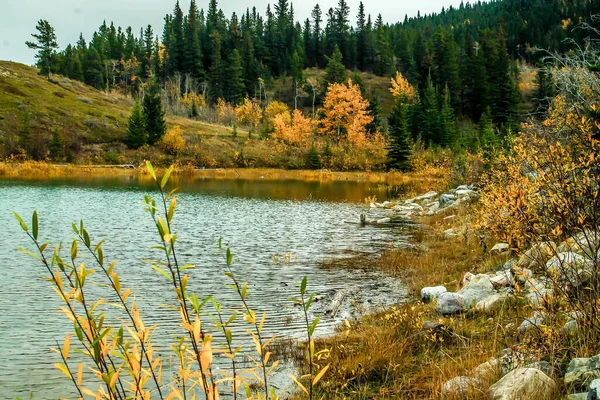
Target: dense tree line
461, 61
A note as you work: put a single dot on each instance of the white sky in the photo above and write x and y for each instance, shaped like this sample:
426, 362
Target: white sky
70, 17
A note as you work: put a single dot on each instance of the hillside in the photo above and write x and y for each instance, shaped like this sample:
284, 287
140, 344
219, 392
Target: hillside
92, 125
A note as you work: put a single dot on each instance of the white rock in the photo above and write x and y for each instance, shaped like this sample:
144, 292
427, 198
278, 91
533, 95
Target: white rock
450, 233
431, 293
500, 248
503, 279
450, 303
478, 288
523, 383
461, 385
433, 207
570, 268
534, 322
538, 255
486, 369
492, 303
384, 220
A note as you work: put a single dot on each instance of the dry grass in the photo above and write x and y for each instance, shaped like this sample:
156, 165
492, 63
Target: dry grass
388, 355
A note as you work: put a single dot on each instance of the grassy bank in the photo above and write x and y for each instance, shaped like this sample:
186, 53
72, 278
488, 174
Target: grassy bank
415, 182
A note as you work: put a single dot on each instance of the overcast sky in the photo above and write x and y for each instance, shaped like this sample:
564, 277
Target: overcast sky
70, 17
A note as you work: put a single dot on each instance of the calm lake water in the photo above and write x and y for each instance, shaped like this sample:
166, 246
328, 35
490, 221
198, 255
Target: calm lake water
279, 232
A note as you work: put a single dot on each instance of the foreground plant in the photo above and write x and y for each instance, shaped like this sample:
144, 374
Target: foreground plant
118, 348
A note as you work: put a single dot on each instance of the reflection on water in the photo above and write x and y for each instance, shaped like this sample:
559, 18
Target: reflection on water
261, 221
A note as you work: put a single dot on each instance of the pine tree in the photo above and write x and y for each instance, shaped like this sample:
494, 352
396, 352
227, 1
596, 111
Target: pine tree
385, 55
56, 146
361, 37
192, 49
235, 79
485, 130
137, 135
317, 16
448, 127
335, 71
312, 160
429, 121
399, 149
216, 69
46, 45
153, 113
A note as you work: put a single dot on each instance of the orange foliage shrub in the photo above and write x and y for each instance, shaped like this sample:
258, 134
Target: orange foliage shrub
173, 141
294, 128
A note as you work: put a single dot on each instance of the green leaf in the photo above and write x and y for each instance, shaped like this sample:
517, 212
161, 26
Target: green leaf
309, 301
162, 272
74, 250
29, 253
100, 256
43, 247
165, 178
229, 257
75, 228
23, 226
303, 285
151, 169
34, 224
78, 331
313, 326
86, 238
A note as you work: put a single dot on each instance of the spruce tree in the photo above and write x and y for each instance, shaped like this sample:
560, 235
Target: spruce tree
399, 149
154, 115
56, 146
312, 160
448, 127
429, 121
46, 45
235, 79
335, 71
137, 135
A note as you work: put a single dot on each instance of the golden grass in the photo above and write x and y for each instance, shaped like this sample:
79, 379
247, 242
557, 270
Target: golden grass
39, 169
388, 355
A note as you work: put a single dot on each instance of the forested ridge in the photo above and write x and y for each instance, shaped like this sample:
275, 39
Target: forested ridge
463, 63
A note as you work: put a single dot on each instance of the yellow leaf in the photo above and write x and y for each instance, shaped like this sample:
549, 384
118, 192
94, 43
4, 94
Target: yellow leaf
62, 368
79, 374
320, 374
197, 330
113, 380
300, 385
207, 356
67, 346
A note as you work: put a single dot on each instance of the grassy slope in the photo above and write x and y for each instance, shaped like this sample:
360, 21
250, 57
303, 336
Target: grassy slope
93, 125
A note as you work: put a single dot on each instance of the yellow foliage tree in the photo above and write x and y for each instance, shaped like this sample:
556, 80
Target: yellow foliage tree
248, 113
345, 113
293, 128
402, 89
274, 109
225, 111
173, 141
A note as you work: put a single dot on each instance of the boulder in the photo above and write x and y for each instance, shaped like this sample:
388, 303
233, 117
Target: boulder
539, 295
478, 288
461, 385
487, 369
450, 303
594, 392
446, 199
537, 256
492, 303
521, 275
450, 233
577, 396
570, 327
507, 266
384, 221
503, 279
534, 322
582, 371
570, 269
426, 196
585, 243
543, 366
433, 207
431, 293
500, 248
432, 327
464, 281
523, 383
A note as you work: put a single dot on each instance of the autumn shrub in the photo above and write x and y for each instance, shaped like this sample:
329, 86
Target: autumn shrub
173, 141
542, 197
119, 350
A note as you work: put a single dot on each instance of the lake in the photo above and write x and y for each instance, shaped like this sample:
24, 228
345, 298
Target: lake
278, 231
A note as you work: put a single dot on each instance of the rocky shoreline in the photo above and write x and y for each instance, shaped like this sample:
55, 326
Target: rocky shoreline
534, 277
